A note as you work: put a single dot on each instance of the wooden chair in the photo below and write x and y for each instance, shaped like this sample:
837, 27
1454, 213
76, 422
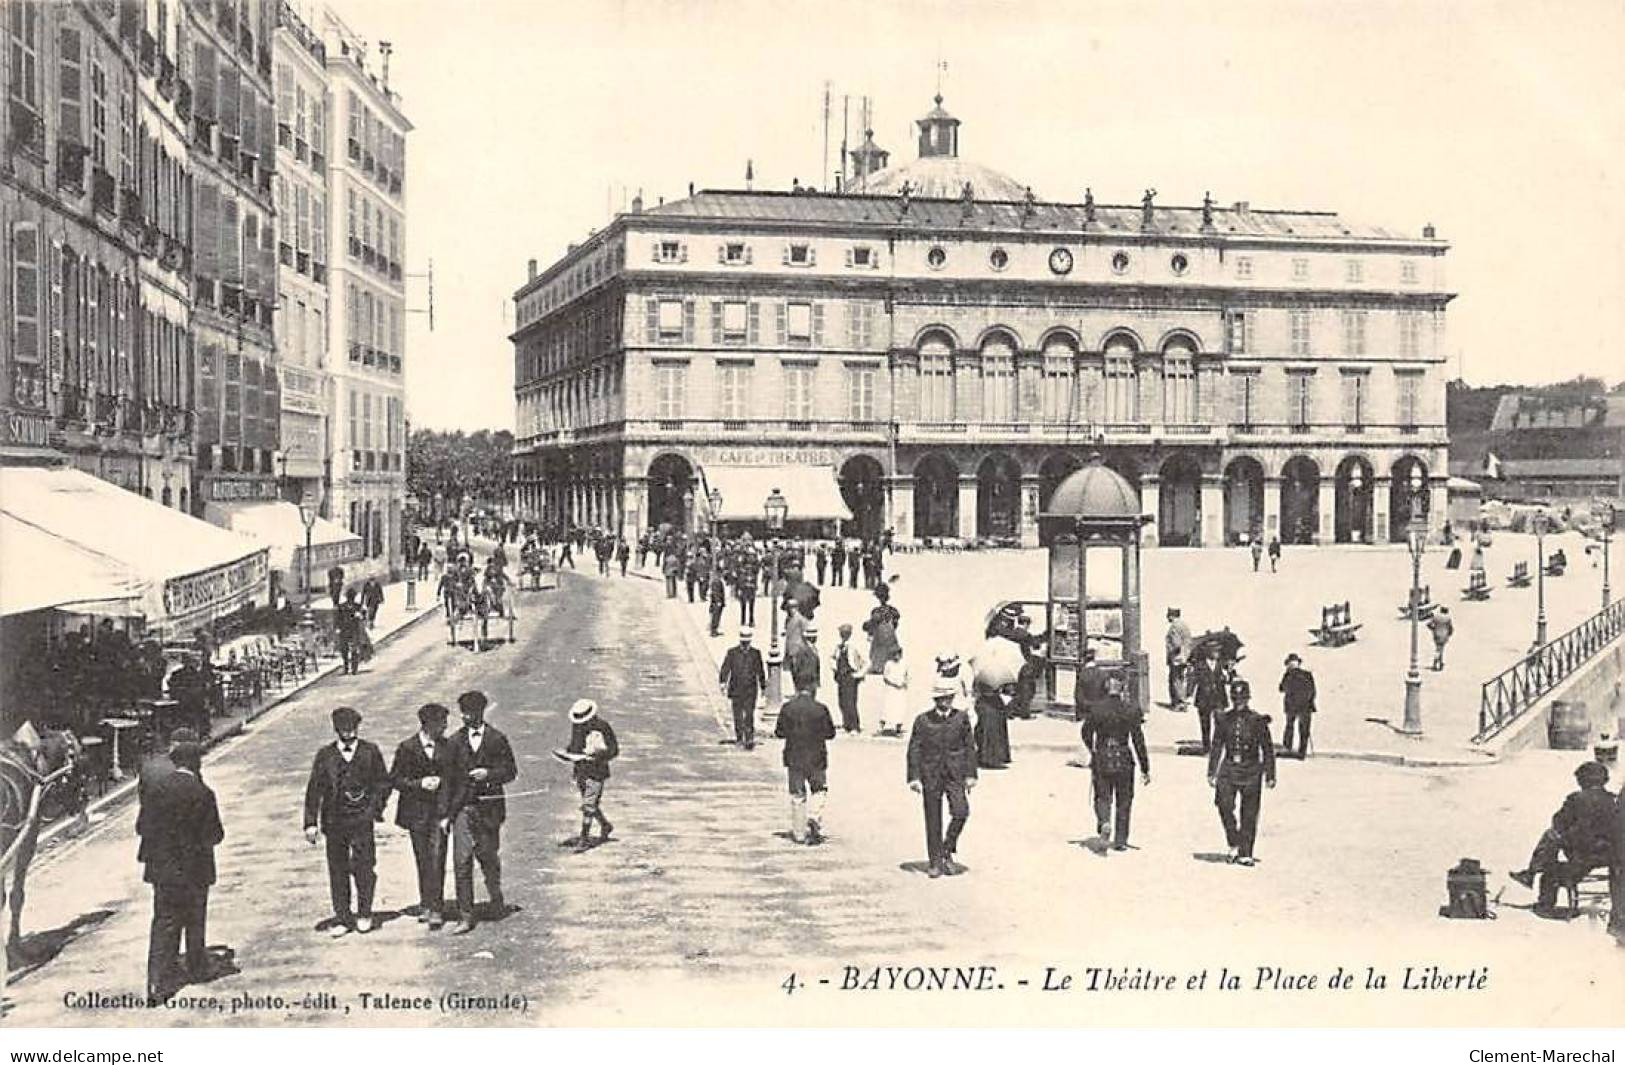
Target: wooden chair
1337, 626
1478, 587
1520, 576
1421, 605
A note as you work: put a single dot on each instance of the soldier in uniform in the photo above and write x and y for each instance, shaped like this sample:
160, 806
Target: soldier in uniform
1241, 763
1116, 741
745, 585
942, 765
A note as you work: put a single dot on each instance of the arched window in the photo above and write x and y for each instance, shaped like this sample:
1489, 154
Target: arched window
1060, 375
1122, 384
998, 380
1178, 382
936, 379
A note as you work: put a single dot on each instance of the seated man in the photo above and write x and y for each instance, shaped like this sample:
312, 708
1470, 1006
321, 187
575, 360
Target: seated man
1579, 841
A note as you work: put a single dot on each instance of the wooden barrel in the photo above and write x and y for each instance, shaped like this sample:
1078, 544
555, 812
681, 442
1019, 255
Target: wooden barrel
1568, 727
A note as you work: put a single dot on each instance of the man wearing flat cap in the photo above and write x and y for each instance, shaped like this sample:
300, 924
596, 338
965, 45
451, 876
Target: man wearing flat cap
420, 772
942, 766
348, 787
1298, 704
1580, 839
591, 748
481, 763
742, 679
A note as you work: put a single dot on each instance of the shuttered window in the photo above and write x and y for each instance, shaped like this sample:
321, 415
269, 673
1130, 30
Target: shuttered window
70, 85
25, 292
1356, 397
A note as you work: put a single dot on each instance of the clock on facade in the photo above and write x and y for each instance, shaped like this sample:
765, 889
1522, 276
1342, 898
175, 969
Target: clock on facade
1060, 261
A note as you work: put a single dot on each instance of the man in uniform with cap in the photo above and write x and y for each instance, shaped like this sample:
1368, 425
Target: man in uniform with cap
742, 678
421, 772
481, 763
593, 740
1298, 704
345, 794
1579, 840
1241, 763
942, 765
805, 727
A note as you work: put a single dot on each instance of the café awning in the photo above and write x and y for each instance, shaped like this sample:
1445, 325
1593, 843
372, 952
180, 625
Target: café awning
43, 572
279, 527
812, 492
189, 572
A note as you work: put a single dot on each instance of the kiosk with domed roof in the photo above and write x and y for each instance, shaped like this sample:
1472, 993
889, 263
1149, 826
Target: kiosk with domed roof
1093, 524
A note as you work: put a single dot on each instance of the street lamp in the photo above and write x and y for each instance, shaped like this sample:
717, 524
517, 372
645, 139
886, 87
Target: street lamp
1540, 580
307, 514
1356, 505
776, 508
715, 499
1608, 516
1416, 541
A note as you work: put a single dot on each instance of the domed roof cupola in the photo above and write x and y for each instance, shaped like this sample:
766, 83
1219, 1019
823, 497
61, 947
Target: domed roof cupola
939, 132
1095, 493
868, 158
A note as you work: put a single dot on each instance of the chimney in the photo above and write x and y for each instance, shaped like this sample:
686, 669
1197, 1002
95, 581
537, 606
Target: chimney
1242, 206
532, 270
637, 203
386, 48
1428, 232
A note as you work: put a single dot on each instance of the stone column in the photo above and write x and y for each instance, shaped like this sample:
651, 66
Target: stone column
1212, 529
1326, 531
967, 507
1272, 508
900, 501
1029, 510
1381, 494
1438, 507
1151, 503
634, 492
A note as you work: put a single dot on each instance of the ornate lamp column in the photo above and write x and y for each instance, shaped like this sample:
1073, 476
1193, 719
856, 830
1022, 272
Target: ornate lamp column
1416, 541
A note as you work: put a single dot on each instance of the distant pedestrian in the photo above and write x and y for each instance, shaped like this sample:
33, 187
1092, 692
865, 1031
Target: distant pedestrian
1177, 649
837, 561
672, 569
848, 666
566, 556
350, 626
805, 727
344, 795
372, 597
1241, 763
894, 703
942, 767
882, 630
1116, 743
743, 678
1207, 684
716, 599
603, 550
1257, 549
420, 772
425, 559
1275, 552
179, 826
803, 664
592, 747
854, 558
335, 584
1297, 704
623, 553
1442, 626
821, 562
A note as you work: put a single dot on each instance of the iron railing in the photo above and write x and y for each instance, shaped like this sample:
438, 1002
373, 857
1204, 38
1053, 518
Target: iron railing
1508, 694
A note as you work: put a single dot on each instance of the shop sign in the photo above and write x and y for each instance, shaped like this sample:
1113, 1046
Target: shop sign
33, 430
224, 491
212, 587
774, 456
322, 555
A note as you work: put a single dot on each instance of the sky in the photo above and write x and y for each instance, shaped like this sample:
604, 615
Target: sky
1499, 123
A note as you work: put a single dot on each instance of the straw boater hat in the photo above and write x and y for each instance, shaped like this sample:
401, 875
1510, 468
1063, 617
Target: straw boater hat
746, 632
582, 711
944, 689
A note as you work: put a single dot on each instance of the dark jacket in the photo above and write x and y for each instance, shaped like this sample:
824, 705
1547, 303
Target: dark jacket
340, 796
742, 674
494, 754
804, 726
1298, 691
941, 748
1243, 752
1115, 739
1585, 824
417, 808
179, 826
1090, 690
804, 667
1209, 685
596, 768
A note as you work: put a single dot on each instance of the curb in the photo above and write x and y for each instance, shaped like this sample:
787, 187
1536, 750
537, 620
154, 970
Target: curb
116, 795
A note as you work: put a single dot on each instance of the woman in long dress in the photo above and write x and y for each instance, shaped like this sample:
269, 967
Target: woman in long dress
882, 629
993, 726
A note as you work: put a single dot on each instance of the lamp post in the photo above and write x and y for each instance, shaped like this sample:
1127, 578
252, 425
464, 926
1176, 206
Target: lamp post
1416, 541
1356, 504
1608, 516
775, 509
715, 499
1540, 581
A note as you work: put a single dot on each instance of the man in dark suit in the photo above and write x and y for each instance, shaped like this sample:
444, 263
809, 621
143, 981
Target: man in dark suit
1579, 840
420, 771
1241, 763
742, 677
1298, 703
806, 728
345, 794
179, 826
804, 666
942, 765
481, 763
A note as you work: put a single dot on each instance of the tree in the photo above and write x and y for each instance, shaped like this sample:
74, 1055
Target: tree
455, 464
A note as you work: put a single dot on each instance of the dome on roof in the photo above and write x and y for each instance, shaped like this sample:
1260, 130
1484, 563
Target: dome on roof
943, 177
1095, 492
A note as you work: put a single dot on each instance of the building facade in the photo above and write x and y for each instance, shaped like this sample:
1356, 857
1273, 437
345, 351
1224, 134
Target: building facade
951, 359
97, 360
299, 59
366, 163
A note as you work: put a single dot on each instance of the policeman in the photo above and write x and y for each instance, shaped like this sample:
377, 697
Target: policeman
1241, 763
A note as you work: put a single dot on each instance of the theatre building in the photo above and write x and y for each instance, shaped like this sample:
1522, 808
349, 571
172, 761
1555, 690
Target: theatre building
934, 349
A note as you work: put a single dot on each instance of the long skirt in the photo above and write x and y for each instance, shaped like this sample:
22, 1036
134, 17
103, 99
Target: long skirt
992, 735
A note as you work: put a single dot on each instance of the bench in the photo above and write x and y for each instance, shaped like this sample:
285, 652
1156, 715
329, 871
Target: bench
1478, 587
1421, 605
1556, 564
1337, 626
1593, 888
1520, 576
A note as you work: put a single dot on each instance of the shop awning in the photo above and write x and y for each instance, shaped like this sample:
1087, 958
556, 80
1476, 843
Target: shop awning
279, 527
189, 571
813, 492
42, 572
